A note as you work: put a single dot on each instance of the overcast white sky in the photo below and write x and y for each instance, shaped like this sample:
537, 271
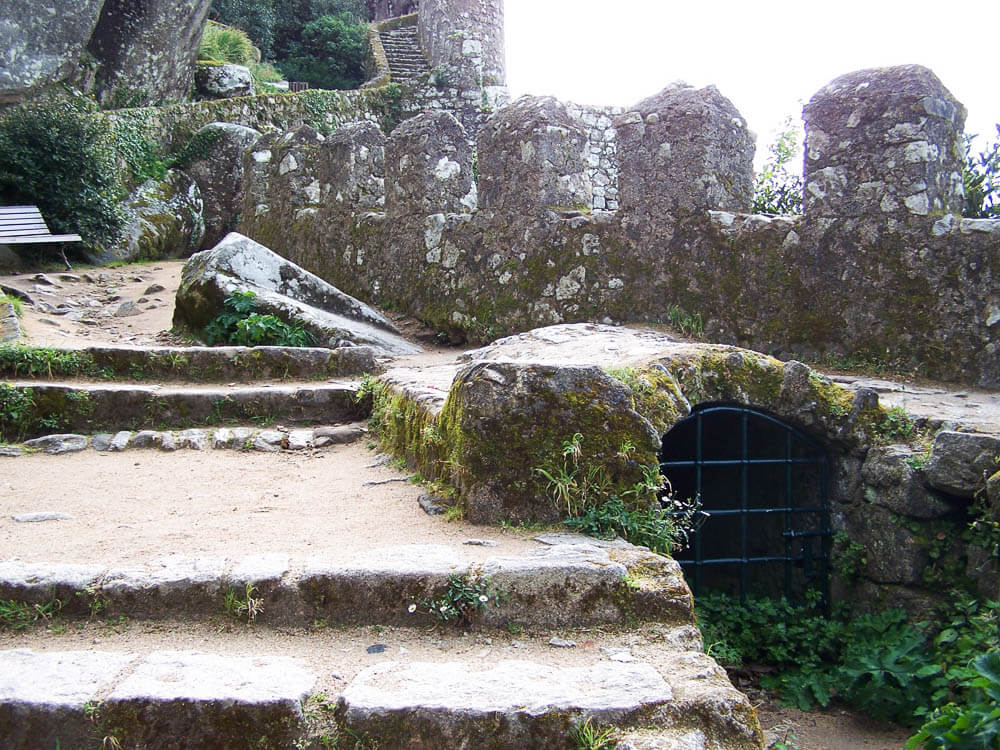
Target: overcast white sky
768, 57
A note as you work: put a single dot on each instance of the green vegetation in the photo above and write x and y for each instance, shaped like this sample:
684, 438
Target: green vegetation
465, 598
15, 615
891, 668
777, 190
240, 323
245, 607
973, 726
688, 324
329, 55
587, 736
226, 44
593, 507
15, 302
323, 42
17, 360
982, 180
59, 156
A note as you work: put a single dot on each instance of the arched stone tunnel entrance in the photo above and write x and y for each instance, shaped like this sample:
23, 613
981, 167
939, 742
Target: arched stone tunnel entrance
764, 487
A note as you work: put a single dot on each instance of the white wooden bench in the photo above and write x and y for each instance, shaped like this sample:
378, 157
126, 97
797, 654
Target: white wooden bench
24, 225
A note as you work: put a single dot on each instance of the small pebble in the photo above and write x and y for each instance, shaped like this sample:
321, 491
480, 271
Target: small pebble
562, 643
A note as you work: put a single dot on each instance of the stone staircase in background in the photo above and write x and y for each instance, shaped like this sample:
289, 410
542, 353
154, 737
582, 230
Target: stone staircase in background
402, 48
166, 653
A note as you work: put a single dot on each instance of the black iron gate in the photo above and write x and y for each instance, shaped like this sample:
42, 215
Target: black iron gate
763, 485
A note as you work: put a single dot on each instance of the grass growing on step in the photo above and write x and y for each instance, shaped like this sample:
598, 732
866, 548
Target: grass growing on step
15, 615
463, 601
589, 736
17, 360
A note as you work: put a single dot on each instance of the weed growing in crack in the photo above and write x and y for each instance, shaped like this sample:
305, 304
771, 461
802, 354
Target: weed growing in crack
245, 607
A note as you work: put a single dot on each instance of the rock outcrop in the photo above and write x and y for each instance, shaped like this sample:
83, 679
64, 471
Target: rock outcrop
238, 264
164, 220
219, 176
127, 53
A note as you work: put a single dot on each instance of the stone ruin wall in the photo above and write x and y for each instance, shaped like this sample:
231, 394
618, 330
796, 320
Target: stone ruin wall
881, 266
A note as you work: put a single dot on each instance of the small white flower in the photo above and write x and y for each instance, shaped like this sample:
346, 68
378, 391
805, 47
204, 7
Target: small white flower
412, 608
444, 607
483, 598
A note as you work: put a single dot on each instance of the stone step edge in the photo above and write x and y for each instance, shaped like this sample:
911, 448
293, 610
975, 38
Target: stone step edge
241, 438
559, 585
197, 699
224, 363
90, 408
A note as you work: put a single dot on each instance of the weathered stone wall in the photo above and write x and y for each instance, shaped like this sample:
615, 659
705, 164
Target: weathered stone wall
897, 288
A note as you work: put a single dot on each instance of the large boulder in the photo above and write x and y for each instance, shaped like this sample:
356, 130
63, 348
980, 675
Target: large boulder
38, 47
223, 81
147, 50
238, 264
164, 221
218, 171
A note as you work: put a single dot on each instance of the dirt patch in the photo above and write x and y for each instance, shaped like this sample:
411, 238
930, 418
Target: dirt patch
332, 504
97, 306
828, 729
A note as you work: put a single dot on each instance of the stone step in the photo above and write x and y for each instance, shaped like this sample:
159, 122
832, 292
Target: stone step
183, 698
89, 407
567, 581
215, 364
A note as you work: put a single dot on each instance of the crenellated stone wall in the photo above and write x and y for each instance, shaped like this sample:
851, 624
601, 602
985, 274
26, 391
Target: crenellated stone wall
887, 281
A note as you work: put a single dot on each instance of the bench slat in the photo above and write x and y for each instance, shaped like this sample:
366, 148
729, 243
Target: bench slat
22, 225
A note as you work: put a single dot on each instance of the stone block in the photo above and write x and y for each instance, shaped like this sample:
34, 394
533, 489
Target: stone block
960, 462
884, 143
532, 157
892, 482
209, 700
683, 151
428, 167
514, 704
43, 696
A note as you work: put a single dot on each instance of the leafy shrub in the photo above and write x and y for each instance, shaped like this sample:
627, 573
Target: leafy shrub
973, 726
239, 323
982, 180
777, 190
226, 44
880, 663
60, 157
330, 55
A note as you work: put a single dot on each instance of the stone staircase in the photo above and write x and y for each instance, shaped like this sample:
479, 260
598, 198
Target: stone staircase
277, 650
402, 48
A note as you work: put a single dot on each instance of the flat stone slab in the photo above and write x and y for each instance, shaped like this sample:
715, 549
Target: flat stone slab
553, 586
514, 704
44, 696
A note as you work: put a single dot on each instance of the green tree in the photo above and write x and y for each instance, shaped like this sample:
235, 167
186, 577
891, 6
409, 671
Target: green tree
982, 180
61, 158
294, 15
777, 190
331, 54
